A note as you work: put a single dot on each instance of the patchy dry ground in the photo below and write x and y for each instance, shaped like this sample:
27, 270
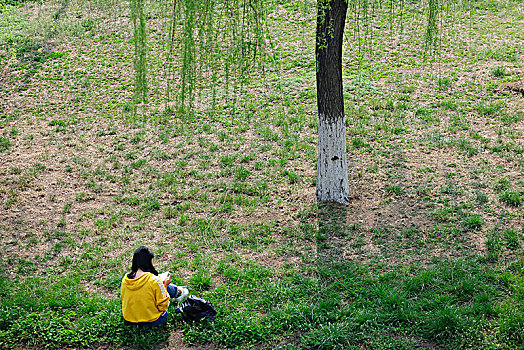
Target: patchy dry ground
83, 177
435, 147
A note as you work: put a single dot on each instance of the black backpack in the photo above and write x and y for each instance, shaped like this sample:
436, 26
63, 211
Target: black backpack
196, 309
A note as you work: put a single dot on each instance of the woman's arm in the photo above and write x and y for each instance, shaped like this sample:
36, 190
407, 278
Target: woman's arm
161, 294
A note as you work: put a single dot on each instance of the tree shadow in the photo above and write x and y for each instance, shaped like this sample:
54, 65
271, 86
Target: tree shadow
332, 229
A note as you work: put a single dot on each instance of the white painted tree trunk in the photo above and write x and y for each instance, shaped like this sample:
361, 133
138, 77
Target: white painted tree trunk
332, 176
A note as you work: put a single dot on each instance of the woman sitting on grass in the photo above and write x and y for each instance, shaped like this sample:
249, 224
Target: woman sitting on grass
145, 296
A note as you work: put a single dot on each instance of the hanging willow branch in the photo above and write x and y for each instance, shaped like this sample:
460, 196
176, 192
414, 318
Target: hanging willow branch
168, 64
432, 29
140, 40
366, 16
213, 46
218, 43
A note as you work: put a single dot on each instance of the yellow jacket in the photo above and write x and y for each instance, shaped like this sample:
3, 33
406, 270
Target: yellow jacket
144, 298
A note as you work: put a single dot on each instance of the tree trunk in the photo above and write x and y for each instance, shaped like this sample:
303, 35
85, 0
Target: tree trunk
332, 178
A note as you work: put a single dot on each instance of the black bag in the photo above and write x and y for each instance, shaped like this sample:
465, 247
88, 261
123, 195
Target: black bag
196, 309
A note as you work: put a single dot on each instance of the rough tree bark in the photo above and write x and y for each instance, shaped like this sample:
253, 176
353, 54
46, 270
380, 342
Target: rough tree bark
332, 177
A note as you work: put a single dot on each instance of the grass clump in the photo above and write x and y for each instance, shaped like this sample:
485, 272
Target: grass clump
511, 198
4, 143
512, 239
472, 223
511, 324
498, 72
200, 281
494, 247
489, 109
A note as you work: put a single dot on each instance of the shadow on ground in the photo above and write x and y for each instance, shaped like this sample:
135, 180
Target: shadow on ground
332, 228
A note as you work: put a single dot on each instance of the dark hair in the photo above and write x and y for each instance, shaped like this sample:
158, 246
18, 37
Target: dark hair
142, 260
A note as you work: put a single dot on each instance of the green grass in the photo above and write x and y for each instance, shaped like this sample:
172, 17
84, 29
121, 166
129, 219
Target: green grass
428, 254
499, 72
512, 198
4, 143
446, 303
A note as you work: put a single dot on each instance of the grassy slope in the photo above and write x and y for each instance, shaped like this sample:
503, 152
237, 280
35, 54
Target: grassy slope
427, 255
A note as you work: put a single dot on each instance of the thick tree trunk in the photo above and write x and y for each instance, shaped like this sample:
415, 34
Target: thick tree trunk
332, 178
